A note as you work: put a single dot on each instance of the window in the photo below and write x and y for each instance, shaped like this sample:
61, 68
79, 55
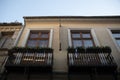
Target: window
116, 35
6, 40
81, 38
38, 39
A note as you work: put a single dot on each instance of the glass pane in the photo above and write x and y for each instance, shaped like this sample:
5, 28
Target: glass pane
116, 35
86, 35
44, 35
8, 43
34, 35
77, 43
43, 43
32, 43
118, 42
75, 35
88, 43
3, 42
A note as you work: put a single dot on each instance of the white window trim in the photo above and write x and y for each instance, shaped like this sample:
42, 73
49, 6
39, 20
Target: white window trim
51, 38
30, 29
113, 39
92, 33
69, 38
18, 36
95, 37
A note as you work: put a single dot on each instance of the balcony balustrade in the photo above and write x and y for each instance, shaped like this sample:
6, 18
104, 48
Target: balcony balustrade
3, 58
89, 60
30, 60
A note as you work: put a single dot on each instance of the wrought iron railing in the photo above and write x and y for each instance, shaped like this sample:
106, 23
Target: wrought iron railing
98, 59
3, 58
30, 59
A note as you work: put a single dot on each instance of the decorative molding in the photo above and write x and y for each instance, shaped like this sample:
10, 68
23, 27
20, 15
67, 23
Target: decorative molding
80, 28
9, 29
40, 29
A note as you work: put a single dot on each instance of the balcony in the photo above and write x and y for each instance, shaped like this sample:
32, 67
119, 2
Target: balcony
29, 60
3, 59
91, 60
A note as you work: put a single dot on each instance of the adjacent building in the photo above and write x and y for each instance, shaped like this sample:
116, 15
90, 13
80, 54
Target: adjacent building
9, 36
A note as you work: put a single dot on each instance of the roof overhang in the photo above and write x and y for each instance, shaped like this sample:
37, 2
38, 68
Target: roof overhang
11, 24
76, 17
72, 18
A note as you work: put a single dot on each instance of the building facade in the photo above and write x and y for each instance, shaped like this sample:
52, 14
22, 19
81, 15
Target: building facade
63, 32
9, 36
98, 31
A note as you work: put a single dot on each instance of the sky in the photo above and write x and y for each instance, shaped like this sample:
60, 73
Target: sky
14, 10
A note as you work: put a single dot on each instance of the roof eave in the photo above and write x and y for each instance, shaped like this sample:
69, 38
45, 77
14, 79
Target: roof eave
54, 17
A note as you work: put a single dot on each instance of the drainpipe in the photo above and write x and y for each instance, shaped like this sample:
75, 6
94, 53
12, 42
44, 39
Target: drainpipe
60, 34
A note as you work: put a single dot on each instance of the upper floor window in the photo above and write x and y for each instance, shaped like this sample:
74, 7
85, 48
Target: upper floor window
116, 35
6, 40
38, 39
81, 38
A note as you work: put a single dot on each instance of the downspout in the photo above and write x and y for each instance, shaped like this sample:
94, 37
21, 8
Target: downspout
60, 35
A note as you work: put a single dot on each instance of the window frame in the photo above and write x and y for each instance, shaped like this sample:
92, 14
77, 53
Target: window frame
26, 36
92, 31
116, 31
6, 36
81, 32
39, 38
113, 39
116, 38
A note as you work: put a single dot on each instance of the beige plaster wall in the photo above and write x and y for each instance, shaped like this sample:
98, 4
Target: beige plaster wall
60, 57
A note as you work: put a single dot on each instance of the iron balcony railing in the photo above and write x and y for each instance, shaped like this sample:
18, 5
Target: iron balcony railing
88, 59
3, 58
30, 59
